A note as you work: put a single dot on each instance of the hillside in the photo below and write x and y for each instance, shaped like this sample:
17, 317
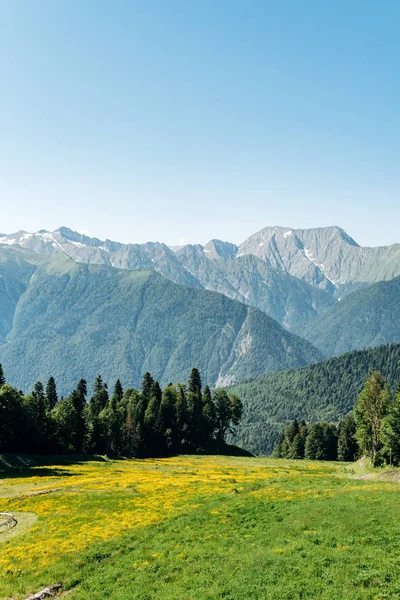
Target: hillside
323, 391
16, 268
366, 318
77, 320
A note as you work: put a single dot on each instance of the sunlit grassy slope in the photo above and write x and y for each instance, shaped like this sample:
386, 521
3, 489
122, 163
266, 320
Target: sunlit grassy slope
201, 527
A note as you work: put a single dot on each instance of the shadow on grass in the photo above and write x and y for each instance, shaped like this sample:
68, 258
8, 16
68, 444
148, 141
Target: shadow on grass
28, 465
34, 472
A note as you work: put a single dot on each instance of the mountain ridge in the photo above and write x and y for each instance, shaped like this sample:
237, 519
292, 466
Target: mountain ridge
295, 276
304, 253
367, 318
77, 320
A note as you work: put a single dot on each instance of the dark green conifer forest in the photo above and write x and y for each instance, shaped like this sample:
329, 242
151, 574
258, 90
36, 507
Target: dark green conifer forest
324, 391
373, 430
151, 422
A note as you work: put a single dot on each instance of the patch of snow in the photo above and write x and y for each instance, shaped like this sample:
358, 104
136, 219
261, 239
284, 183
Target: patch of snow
8, 241
49, 238
287, 233
308, 255
26, 236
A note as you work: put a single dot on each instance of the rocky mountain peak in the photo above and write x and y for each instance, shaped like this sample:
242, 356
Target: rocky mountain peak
219, 249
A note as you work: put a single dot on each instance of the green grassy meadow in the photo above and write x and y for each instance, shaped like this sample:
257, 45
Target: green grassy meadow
200, 528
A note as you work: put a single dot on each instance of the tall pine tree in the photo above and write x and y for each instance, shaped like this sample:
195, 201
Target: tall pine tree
51, 394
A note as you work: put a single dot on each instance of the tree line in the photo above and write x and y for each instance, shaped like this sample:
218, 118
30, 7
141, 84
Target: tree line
324, 392
147, 423
372, 429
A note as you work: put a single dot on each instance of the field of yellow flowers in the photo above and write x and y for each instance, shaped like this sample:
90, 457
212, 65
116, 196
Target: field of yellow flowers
200, 528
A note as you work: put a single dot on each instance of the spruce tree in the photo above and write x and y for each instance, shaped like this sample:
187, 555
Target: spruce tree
139, 411
314, 448
82, 390
298, 447
195, 413
118, 390
285, 449
147, 384
152, 422
51, 394
38, 392
195, 383
78, 399
168, 424
2, 378
209, 414
129, 430
291, 431
100, 396
97, 440
98, 384
330, 439
182, 418
132, 442
38, 420
12, 421
347, 443
113, 423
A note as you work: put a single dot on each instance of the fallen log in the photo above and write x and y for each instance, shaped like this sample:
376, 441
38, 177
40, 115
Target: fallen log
46, 592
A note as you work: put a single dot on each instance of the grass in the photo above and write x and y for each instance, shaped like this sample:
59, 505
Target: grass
201, 528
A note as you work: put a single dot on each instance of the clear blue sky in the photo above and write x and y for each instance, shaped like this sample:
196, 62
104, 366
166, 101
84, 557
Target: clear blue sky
161, 120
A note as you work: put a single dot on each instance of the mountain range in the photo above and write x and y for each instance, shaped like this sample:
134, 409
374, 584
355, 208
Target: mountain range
280, 270
318, 284
73, 320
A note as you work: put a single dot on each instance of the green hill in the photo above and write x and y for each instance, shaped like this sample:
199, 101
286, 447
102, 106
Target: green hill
366, 318
322, 391
77, 320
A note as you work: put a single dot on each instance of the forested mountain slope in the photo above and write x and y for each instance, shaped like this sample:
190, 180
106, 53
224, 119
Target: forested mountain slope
16, 268
322, 391
366, 318
77, 320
